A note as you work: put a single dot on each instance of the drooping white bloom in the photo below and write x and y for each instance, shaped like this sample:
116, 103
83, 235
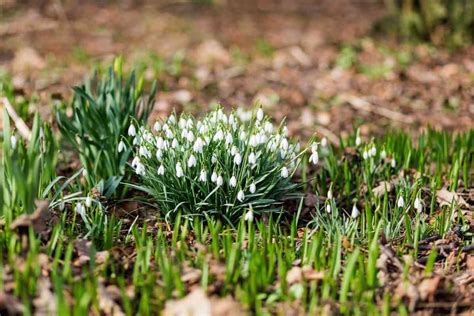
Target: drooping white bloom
214, 159
233, 182
143, 151
373, 151
328, 208
249, 216
259, 114
135, 162
214, 177
140, 169
136, 140
190, 136
253, 188
365, 155
237, 159
284, 144
355, 211
284, 172
159, 154
121, 147
132, 131
314, 158
268, 127
400, 202
228, 139
242, 135
233, 150
198, 145
219, 181
179, 170
161, 170
169, 134
324, 142
241, 196
172, 119
160, 142
418, 205
383, 154
203, 176
80, 209
218, 136
253, 141
393, 163
330, 194
192, 161
174, 143
157, 126
285, 130
252, 158
358, 140
88, 201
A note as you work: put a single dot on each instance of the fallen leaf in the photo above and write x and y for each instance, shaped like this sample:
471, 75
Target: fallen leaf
27, 60
382, 187
295, 275
310, 274
428, 287
195, 303
45, 302
37, 219
106, 303
445, 197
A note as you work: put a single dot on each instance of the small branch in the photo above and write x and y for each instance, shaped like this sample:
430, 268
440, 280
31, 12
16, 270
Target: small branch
23, 129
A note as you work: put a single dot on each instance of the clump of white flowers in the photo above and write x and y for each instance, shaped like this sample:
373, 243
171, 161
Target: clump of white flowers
221, 165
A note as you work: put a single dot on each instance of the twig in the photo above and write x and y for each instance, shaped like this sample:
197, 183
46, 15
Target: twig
364, 105
23, 129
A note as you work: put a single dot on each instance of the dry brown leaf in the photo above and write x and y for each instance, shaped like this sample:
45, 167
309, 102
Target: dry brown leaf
9, 305
470, 262
310, 274
428, 287
106, 303
382, 187
445, 197
195, 303
27, 60
45, 302
191, 275
37, 219
294, 275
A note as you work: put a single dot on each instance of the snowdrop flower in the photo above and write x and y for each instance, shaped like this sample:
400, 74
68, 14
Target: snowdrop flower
157, 126
259, 114
330, 194
169, 134
80, 209
241, 196
252, 159
324, 142
132, 131
198, 145
182, 123
400, 202
174, 144
218, 136
203, 176
285, 131
249, 216
314, 158
88, 201
190, 136
172, 119
328, 208
383, 154
159, 154
136, 140
242, 135
219, 181
355, 211
160, 142
228, 139
284, 144
161, 170
237, 159
253, 141
214, 159
214, 177
418, 205
144, 152
358, 140
85, 173
135, 162
179, 170
268, 127
284, 172
121, 147
140, 169
253, 188
233, 150
365, 155
191, 161
373, 151
393, 163
233, 182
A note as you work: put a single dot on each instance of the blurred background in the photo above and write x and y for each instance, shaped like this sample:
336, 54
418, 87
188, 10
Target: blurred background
330, 66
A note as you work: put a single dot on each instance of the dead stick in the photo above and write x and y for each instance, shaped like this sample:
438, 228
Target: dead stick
23, 129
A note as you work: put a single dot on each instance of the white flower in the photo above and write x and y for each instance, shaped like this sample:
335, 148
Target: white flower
383, 154
284, 172
358, 140
268, 127
233, 182
233, 150
169, 134
172, 119
160, 142
135, 161
219, 181
253, 141
285, 131
191, 161
179, 170
228, 139
252, 159
328, 208
418, 205
136, 140
80, 209
241, 196
132, 131
253, 188
144, 152
324, 142
284, 144
13, 141
249, 216
159, 154
157, 126
121, 146
214, 159
400, 202
161, 170
314, 158
365, 155
237, 159
330, 194
218, 136
203, 176
198, 145
242, 135
214, 177
88, 201
140, 169
174, 144
373, 151
259, 114
393, 163
355, 211
190, 136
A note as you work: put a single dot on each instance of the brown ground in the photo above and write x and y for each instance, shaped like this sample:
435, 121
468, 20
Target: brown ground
279, 53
